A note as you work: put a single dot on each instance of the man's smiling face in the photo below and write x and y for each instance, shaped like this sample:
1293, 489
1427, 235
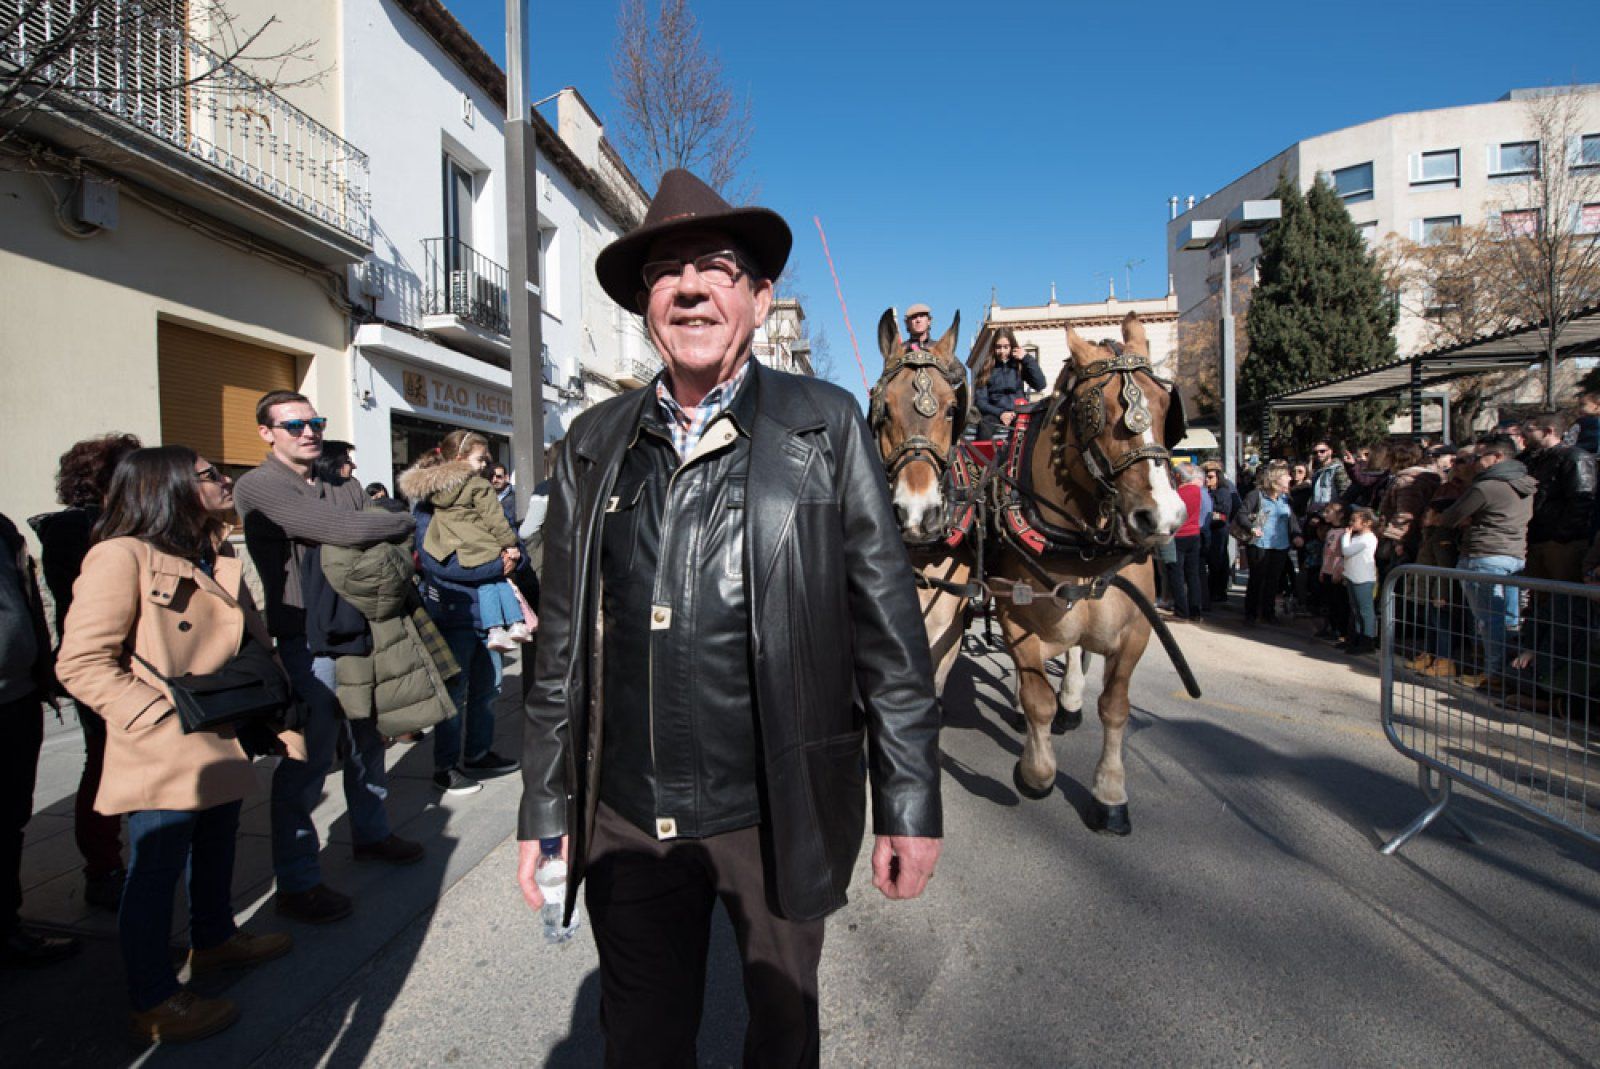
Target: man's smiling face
702, 330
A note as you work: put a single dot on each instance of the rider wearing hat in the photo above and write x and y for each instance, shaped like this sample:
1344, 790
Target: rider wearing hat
919, 327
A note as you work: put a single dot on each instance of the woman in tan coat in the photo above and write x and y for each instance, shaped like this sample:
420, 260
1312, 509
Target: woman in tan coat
160, 582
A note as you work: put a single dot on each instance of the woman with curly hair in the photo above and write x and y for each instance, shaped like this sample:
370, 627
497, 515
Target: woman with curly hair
1275, 530
82, 478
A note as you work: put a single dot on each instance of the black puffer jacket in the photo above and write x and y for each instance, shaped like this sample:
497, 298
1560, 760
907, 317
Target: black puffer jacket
1008, 383
841, 667
1563, 506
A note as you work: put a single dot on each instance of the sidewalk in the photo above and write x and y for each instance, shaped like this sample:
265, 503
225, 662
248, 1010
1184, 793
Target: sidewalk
75, 1013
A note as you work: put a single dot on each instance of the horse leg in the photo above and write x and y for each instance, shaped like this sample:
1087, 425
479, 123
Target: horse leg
1035, 773
1069, 699
944, 637
1108, 813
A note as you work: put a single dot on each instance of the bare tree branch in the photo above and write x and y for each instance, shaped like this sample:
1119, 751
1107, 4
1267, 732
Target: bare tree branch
677, 110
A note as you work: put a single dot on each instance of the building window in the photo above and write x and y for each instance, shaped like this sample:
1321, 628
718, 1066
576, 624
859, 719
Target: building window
1586, 153
1589, 219
1354, 184
1514, 160
1437, 230
550, 270
1369, 234
1520, 223
1442, 168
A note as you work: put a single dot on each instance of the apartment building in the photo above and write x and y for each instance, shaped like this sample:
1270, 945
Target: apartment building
782, 340
173, 243
431, 350
1418, 175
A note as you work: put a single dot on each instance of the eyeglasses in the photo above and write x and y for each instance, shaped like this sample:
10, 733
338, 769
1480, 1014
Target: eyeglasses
721, 269
297, 427
208, 475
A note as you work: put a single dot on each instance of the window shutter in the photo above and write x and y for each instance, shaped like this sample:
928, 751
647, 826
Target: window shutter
1416, 230
1415, 161
209, 388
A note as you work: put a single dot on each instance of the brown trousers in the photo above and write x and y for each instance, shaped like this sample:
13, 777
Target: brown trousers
650, 904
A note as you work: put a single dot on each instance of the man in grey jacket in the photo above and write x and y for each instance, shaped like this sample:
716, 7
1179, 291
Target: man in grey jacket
1495, 511
286, 509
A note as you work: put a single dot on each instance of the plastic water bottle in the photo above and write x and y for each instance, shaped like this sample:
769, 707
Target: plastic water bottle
552, 880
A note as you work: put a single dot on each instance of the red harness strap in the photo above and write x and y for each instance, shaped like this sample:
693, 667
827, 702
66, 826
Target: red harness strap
1013, 519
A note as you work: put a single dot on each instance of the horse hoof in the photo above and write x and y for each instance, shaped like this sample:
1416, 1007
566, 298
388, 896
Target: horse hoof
1024, 788
1066, 720
1110, 819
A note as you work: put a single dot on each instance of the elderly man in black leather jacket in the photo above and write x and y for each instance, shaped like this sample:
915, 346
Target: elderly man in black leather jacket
730, 653
1563, 506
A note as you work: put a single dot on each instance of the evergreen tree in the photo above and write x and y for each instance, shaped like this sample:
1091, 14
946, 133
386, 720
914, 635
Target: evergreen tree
1319, 312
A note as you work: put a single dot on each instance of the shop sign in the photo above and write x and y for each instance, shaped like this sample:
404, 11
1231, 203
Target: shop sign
453, 400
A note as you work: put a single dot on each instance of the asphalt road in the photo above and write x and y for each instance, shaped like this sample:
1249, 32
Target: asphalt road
1249, 919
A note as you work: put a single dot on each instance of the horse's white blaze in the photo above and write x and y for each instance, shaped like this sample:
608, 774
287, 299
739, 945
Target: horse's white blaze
920, 509
1170, 509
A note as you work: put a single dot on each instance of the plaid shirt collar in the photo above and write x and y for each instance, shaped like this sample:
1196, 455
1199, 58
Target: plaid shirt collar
688, 423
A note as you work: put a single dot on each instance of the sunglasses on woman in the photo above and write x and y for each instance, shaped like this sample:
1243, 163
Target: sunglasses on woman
208, 475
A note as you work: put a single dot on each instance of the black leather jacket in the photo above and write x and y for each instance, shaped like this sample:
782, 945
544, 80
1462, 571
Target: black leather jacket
841, 662
1563, 506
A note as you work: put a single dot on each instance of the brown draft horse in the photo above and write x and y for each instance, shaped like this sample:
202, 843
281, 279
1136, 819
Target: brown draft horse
919, 408
1100, 469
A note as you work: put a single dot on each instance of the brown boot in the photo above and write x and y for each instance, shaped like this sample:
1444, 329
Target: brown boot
1420, 662
239, 951
1441, 668
183, 1017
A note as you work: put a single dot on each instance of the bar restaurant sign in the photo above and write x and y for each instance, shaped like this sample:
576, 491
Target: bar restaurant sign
453, 400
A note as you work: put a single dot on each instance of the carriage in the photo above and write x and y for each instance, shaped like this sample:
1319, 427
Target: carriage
1051, 532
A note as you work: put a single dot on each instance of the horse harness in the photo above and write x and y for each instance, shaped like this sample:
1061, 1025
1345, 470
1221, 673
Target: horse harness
919, 446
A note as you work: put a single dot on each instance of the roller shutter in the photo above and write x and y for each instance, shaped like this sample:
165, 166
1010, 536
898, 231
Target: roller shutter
209, 388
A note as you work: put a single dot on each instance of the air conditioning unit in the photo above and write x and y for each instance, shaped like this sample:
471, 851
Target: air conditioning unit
371, 279
460, 293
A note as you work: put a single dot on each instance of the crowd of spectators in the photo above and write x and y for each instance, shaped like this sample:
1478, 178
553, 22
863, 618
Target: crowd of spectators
1318, 536
371, 632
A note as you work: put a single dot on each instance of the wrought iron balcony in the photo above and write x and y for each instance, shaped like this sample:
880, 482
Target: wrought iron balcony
466, 295
99, 74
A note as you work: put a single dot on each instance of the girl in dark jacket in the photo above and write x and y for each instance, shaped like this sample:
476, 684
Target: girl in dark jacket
1003, 379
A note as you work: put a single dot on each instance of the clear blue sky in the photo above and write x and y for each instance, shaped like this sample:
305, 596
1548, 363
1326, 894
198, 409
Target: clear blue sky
953, 147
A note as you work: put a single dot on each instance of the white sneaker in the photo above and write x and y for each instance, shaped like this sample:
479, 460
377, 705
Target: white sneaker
519, 632
500, 639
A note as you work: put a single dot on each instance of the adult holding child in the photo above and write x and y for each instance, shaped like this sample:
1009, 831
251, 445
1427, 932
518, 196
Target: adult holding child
161, 596
468, 553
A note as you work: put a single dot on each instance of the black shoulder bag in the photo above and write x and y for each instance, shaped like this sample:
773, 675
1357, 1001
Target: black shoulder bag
249, 687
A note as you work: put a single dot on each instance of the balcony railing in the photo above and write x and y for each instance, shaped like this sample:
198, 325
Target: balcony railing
464, 283
124, 58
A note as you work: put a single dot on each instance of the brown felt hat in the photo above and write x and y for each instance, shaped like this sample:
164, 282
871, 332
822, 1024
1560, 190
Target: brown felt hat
683, 202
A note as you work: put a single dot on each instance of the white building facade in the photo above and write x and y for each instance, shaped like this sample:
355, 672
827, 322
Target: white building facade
1041, 329
432, 352
1417, 175
782, 340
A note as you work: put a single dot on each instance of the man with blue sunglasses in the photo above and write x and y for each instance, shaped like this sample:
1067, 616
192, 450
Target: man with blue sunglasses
286, 510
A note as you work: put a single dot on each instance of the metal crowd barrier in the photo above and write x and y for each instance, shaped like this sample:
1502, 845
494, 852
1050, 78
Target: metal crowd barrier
1493, 683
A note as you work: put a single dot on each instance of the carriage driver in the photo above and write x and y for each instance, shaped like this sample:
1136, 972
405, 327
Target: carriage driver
919, 327
724, 535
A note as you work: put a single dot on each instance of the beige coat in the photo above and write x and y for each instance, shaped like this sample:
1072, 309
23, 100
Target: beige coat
180, 620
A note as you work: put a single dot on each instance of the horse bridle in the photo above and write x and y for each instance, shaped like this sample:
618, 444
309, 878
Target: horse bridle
1085, 401
919, 446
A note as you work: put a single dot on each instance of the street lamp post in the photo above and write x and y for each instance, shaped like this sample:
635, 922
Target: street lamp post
1200, 236
522, 234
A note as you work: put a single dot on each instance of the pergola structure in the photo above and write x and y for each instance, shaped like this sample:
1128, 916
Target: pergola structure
1514, 348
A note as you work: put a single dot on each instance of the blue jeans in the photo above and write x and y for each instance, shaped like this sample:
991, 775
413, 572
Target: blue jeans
297, 785
1494, 607
162, 844
474, 690
498, 605
1363, 614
